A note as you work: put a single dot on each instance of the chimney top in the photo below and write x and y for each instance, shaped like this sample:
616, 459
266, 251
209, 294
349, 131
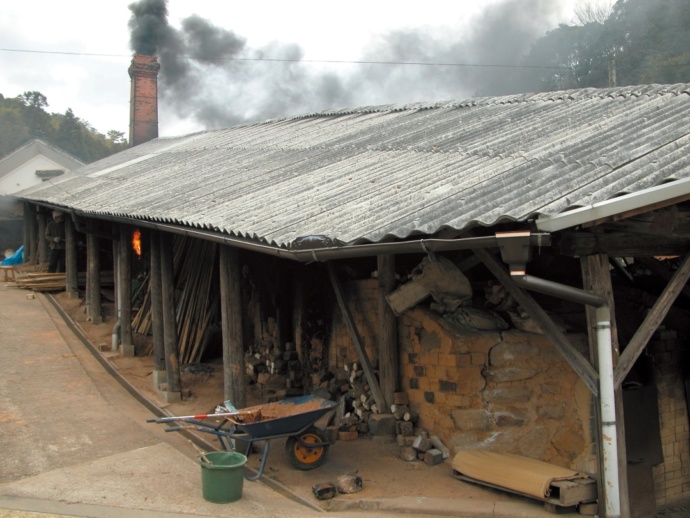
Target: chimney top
143, 109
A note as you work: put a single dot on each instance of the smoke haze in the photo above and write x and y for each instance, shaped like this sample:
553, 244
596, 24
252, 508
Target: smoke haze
209, 75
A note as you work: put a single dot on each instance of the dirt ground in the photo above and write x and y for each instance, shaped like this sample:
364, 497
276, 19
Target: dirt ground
374, 459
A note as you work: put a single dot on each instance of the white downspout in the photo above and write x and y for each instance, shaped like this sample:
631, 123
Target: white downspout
607, 400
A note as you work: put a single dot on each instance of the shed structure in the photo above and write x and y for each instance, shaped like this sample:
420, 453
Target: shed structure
564, 194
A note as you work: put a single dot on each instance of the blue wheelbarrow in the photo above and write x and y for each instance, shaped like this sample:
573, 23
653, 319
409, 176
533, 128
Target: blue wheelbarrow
306, 446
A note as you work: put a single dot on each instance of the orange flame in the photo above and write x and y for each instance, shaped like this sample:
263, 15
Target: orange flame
136, 242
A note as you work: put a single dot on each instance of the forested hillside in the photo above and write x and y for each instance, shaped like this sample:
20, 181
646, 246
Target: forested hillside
24, 117
634, 42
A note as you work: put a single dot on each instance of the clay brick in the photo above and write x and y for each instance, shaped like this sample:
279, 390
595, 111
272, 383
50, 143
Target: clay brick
447, 386
464, 360
447, 360
416, 396
470, 380
478, 359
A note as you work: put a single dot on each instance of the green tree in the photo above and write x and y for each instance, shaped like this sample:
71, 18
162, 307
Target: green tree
649, 41
24, 117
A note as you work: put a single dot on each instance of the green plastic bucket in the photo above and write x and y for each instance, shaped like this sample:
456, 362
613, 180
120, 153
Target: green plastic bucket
223, 477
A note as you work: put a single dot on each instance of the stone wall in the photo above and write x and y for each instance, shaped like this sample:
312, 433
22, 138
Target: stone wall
505, 391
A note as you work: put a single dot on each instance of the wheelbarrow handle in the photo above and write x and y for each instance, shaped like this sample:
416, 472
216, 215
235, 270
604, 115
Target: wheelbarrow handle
187, 417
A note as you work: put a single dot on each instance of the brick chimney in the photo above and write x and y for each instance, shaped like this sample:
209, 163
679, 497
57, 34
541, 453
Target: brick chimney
143, 108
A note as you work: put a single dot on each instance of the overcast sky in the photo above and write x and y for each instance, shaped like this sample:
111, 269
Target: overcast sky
76, 52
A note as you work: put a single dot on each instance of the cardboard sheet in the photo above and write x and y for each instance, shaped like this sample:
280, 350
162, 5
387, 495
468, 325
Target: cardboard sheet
522, 474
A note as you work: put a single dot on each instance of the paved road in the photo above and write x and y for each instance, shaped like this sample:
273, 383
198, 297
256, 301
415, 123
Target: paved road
74, 442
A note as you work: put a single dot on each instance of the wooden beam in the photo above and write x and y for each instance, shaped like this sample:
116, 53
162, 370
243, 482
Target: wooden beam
388, 330
156, 306
658, 270
71, 278
596, 278
32, 258
93, 280
578, 362
357, 339
42, 258
172, 363
27, 214
620, 244
125, 286
234, 386
651, 322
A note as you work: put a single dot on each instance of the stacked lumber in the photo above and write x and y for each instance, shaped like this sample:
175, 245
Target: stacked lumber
196, 303
41, 281
195, 271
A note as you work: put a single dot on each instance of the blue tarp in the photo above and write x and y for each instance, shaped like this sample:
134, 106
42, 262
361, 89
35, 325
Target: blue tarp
15, 258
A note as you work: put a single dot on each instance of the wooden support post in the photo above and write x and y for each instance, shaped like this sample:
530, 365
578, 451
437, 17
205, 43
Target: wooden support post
42, 242
357, 339
172, 364
33, 235
71, 279
298, 311
578, 363
125, 289
651, 322
234, 386
159, 375
388, 330
93, 280
27, 215
115, 254
596, 278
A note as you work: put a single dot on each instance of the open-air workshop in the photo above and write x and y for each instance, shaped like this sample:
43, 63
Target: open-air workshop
492, 292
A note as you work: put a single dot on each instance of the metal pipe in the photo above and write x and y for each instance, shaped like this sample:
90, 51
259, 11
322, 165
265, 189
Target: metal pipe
555, 289
607, 401
607, 398
115, 337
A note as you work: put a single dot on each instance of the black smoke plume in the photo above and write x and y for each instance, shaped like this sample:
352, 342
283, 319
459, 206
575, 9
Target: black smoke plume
209, 76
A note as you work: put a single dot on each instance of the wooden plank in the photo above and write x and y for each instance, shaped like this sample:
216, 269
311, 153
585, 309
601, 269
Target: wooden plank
651, 322
573, 492
588, 488
357, 339
578, 362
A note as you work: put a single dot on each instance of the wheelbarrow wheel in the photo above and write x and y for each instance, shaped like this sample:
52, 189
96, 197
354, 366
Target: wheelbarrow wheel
301, 455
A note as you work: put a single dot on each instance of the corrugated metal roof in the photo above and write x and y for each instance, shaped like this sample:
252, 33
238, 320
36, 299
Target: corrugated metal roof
373, 173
